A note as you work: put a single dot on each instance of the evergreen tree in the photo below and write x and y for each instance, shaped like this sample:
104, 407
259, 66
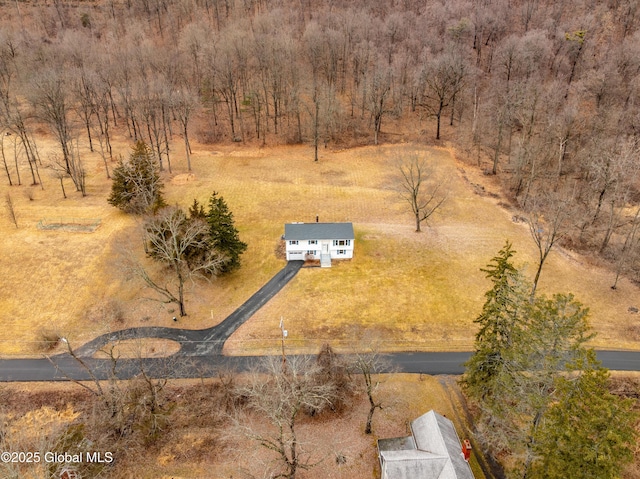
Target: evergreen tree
556, 332
224, 235
553, 337
196, 210
137, 187
195, 253
501, 317
587, 432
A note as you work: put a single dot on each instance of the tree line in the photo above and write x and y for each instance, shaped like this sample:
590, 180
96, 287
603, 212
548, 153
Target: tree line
541, 93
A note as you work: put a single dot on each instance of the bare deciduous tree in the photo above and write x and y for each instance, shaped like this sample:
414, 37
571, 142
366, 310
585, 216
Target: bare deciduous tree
11, 210
184, 105
315, 49
97, 389
58, 171
83, 88
628, 247
420, 186
77, 171
279, 392
126, 405
182, 245
379, 90
73, 169
368, 365
229, 64
613, 169
441, 80
23, 142
51, 98
547, 229
4, 158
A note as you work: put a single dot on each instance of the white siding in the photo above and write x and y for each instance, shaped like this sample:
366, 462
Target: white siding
298, 249
341, 249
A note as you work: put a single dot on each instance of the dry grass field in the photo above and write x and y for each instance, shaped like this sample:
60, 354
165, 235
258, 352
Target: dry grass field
402, 290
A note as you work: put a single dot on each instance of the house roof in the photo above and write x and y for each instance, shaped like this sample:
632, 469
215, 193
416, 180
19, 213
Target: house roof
318, 231
433, 451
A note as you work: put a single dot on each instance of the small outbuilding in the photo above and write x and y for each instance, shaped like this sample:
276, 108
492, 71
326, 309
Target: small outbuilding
433, 451
319, 241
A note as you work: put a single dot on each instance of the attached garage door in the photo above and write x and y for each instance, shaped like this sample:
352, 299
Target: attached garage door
296, 255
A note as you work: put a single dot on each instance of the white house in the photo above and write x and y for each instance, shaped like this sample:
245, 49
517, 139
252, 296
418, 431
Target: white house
433, 451
323, 241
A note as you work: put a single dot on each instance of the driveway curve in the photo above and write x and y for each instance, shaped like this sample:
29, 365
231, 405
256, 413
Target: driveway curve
201, 342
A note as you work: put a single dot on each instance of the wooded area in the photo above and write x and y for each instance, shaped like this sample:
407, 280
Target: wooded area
542, 93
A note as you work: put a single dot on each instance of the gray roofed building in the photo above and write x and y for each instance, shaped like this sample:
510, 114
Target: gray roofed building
433, 451
318, 241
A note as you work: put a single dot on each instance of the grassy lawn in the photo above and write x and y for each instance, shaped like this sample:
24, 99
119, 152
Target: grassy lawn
401, 291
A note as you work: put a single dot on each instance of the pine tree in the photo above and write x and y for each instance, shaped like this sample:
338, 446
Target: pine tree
196, 210
553, 338
588, 432
137, 187
194, 254
501, 316
224, 235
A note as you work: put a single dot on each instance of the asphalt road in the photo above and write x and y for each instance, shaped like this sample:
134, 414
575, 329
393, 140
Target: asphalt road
67, 368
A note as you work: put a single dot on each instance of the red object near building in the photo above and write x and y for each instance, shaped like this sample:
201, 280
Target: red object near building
466, 449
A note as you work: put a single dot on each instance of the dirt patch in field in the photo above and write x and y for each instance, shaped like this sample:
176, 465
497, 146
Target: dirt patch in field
139, 348
183, 179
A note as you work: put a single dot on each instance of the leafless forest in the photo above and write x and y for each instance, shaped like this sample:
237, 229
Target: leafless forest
542, 93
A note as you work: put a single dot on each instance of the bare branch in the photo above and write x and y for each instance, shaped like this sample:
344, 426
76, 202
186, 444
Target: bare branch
547, 230
420, 187
182, 245
11, 210
279, 392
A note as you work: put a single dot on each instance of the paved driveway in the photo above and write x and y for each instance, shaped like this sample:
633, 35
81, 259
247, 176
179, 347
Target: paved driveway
202, 342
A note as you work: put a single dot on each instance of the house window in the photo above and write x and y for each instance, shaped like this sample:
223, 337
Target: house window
293, 242
313, 241
342, 251
341, 242
311, 252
